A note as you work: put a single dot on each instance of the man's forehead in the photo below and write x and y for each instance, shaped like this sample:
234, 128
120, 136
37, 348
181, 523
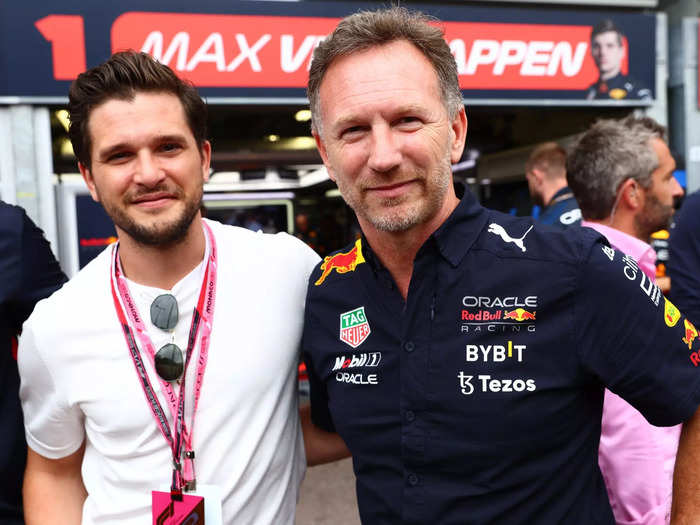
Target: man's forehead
608, 36
114, 107
395, 56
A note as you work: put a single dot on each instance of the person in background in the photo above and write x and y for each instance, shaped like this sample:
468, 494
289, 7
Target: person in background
684, 258
165, 371
545, 171
621, 172
304, 231
462, 353
29, 272
608, 50
684, 270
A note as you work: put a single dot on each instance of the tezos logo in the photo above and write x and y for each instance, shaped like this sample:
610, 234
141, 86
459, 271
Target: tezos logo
485, 383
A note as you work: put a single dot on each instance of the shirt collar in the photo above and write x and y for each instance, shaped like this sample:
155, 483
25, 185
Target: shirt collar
563, 191
453, 238
459, 232
639, 250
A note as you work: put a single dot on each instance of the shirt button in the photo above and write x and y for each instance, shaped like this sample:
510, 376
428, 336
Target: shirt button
410, 416
409, 346
412, 480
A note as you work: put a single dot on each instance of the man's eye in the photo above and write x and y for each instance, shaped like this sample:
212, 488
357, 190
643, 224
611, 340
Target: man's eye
170, 146
352, 131
408, 122
118, 156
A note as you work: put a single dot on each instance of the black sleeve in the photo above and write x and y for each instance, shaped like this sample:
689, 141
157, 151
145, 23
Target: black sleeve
684, 259
320, 413
634, 339
39, 272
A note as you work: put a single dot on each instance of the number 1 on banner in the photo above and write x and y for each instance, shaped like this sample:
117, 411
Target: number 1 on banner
67, 37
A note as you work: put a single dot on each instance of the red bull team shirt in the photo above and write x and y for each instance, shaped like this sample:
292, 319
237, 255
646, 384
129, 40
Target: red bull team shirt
479, 398
684, 258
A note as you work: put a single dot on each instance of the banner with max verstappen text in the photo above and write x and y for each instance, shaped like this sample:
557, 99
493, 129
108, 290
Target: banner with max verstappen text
251, 52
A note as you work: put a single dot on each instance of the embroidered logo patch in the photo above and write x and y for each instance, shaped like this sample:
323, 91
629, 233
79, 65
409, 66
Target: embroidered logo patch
354, 328
341, 262
690, 334
671, 314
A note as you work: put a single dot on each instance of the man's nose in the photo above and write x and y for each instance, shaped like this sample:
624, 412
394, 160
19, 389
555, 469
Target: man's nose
385, 150
148, 171
677, 188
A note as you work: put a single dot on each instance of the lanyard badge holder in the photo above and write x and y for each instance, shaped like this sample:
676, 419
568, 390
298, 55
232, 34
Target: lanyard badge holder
174, 507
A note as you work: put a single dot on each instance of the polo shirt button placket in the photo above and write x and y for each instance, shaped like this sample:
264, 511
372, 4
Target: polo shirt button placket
409, 346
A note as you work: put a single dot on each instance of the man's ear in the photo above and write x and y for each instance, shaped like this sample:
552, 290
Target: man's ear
459, 135
89, 181
632, 194
324, 154
538, 176
205, 154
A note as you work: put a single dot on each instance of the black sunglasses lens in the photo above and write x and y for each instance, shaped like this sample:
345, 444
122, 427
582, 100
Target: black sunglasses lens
169, 362
164, 312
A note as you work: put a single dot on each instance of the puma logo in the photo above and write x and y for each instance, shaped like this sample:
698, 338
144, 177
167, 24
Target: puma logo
498, 230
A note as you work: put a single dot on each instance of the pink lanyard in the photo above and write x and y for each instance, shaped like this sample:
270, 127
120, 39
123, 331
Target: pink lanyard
202, 317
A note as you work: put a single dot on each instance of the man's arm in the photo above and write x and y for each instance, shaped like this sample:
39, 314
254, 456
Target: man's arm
321, 446
53, 490
686, 477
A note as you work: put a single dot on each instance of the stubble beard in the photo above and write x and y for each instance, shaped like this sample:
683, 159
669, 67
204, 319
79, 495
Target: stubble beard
654, 216
159, 233
394, 215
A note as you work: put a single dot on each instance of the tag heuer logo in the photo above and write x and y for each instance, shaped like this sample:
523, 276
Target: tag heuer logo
354, 327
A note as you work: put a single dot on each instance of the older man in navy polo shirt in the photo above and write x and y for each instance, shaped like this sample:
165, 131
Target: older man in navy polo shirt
461, 353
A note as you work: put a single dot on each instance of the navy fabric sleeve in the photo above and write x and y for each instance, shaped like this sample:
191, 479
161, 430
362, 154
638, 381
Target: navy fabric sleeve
320, 413
41, 273
684, 259
632, 338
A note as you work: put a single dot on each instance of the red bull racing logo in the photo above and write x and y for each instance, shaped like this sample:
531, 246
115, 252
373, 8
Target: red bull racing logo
520, 315
341, 262
498, 314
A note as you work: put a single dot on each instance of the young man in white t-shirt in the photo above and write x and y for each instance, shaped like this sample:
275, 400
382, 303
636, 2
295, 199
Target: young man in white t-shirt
165, 371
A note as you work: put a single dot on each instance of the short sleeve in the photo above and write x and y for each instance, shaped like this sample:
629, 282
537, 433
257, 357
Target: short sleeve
53, 428
631, 337
40, 273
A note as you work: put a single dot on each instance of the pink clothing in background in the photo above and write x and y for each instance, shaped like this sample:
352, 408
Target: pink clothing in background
635, 457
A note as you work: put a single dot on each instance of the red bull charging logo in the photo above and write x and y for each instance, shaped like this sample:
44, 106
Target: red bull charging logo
519, 314
341, 262
690, 333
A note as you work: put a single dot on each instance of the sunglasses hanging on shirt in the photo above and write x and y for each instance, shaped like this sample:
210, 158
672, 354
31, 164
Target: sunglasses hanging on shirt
169, 360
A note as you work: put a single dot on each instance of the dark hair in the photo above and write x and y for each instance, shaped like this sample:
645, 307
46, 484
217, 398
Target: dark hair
549, 157
121, 77
367, 29
605, 26
609, 153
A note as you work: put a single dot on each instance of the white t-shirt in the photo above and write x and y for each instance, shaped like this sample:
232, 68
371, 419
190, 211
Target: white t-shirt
79, 383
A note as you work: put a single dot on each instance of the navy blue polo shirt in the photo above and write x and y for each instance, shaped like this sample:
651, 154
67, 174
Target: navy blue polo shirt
684, 258
562, 211
479, 398
28, 273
